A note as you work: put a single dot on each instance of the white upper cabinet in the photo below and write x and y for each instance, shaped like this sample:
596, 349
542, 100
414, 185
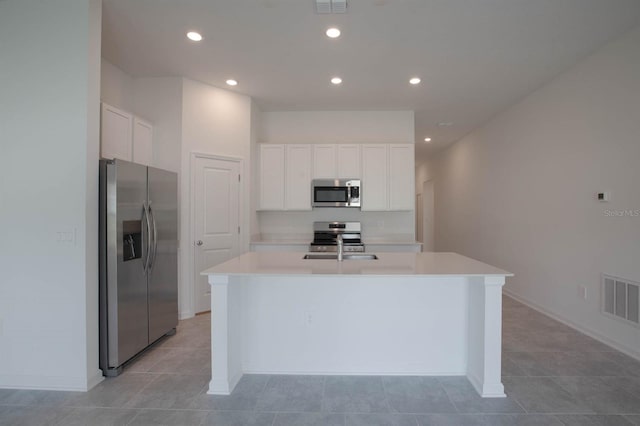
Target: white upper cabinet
124, 136
374, 188
401, 177
388, 177
386, 171
285, 177
332, 161
349, 161
115, 133
272, 177
324, 162
298, 177
142, 137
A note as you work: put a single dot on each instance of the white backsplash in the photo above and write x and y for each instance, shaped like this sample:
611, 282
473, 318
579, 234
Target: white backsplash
376, 226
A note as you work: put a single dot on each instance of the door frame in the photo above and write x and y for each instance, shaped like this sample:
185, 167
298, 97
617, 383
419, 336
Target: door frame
419, 218
190, 289
428, 214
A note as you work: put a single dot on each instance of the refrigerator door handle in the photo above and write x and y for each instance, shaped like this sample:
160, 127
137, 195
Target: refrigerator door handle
155, 239
145, 263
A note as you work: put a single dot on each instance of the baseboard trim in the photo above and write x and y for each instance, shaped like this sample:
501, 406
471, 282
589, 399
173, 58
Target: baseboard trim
486, 390
42, 382
94, 380
186, 315
223, 387
593, 334
357, 373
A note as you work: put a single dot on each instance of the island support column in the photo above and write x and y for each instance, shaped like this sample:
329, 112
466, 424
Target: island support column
226, 340
485, 336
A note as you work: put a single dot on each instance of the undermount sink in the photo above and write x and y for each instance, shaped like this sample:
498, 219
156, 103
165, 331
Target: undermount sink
347, 256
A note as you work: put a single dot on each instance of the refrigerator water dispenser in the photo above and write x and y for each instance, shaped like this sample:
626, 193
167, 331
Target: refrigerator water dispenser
131, 240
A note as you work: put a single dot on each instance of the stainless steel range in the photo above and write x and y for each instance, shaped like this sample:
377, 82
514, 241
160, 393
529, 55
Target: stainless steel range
325, 237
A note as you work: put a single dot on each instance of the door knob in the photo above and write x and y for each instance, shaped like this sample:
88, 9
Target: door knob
199, 242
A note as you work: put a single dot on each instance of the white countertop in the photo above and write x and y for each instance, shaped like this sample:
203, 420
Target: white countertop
389, 242
283, 242
396, 264
308, 241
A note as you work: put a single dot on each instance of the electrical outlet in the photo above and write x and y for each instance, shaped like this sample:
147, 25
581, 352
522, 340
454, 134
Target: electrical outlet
308, 318
66, 236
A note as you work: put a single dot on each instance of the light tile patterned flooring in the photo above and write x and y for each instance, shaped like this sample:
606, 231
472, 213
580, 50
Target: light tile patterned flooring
553, 375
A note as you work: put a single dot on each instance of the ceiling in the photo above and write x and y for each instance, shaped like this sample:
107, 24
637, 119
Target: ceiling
475, 57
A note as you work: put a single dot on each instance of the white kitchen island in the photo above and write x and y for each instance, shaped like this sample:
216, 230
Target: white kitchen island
402, 314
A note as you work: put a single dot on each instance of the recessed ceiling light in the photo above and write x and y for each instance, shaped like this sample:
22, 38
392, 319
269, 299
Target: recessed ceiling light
192, 35
232, 82
414, 80
333, 33
427, 139
336, 80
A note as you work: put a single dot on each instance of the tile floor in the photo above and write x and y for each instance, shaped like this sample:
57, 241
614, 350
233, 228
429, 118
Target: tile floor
553, 375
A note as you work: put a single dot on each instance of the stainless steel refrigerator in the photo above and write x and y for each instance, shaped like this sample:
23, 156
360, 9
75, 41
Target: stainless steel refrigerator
138, 260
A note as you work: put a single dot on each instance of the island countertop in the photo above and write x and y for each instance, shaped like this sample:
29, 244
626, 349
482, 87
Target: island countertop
393, 264
417, 314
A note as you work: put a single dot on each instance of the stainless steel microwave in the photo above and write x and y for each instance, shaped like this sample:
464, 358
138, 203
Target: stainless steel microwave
335, 193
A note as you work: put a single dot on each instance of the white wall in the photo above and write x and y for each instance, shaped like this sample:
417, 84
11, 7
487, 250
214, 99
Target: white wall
520, 193
336, 127
49, 83
256, 125
214, 121
116, 86
423, 175
159, 100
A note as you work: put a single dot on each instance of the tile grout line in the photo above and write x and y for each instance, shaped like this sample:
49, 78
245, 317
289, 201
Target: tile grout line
324, 386
134, 417
264, 388
386, 396
155, 379
449, 396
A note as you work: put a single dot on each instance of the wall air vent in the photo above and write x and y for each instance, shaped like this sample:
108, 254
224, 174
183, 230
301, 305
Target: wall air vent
323, 6
331, 6
339, 6
621, 299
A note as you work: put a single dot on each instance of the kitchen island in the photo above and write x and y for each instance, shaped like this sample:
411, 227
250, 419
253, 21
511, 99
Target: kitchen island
402, 314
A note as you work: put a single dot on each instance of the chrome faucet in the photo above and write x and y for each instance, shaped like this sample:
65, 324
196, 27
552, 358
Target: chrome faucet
340, 247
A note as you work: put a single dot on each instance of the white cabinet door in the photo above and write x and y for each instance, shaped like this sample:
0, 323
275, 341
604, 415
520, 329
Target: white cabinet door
324, 162
271, 177
401, 177
142, 142
115, 133
374, 177
298, 177
349, 161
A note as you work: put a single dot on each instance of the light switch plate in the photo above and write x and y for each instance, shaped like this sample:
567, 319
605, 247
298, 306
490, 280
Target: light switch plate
582, 292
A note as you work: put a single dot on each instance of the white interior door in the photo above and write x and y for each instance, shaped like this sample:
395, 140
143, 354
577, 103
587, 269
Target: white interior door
217, 220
